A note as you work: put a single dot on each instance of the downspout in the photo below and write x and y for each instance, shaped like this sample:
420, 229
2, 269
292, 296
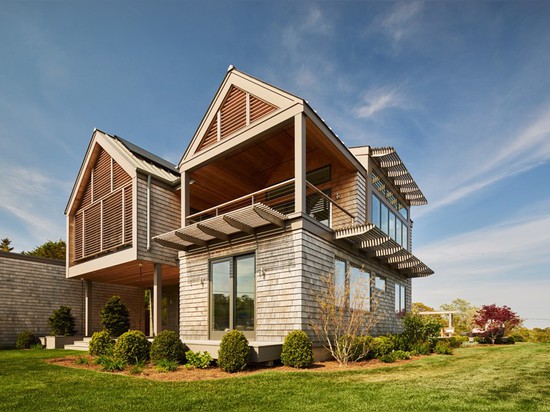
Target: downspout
148, 213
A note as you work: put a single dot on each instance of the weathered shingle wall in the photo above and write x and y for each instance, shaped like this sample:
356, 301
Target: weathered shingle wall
32, 288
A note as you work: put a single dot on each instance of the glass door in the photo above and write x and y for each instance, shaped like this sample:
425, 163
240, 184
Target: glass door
232, 296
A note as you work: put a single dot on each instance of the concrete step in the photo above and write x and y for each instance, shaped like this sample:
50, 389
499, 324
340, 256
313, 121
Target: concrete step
79, 345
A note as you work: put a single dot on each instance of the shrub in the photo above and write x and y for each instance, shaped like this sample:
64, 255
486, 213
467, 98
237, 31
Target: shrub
422, 348
166, 365
418, 329
132, 347
62, 322
112, 364
443, 348
362, 348
25, 340
388, 358
101, 344
297, 350
233, 352
382, 345
198, 359
38, 346
115, 316
167, 345
510, 340
401, 355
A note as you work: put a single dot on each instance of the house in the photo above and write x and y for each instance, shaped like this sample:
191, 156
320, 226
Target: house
265, 202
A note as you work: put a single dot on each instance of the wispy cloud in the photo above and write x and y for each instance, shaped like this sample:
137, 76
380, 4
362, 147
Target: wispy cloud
27, 195
401, 19
510, 155
379, 100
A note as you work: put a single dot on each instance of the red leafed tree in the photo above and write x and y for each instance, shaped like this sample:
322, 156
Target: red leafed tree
496, 320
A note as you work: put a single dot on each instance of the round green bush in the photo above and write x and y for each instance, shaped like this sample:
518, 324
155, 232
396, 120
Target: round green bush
167, 345
132, 347
115, 316
62, 322
233, 352
297, 350
25, 340
101, 344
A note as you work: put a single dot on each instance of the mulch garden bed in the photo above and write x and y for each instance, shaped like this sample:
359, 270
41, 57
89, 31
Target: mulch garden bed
213, 372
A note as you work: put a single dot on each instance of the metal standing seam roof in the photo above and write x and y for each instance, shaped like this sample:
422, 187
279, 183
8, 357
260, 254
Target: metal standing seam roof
395, 169
246, 219
144, 160
377, 244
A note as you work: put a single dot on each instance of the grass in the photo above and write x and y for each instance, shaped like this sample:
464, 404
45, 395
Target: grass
515, 377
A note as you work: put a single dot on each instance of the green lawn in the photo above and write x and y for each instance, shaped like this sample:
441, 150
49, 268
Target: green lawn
499, 378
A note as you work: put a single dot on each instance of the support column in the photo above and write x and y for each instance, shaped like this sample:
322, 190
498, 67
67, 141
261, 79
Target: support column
184, 197
88, 308
300, 163
157, 299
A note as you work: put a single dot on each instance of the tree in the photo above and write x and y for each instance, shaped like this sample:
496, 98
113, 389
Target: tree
5, 245
497, 321
62, 322
115, 316
50, 250
463, 321
420, 307
343, 317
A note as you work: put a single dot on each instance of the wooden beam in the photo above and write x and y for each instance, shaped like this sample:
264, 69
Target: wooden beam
239, 225
189, 238
210, 231
264, 214
169, 244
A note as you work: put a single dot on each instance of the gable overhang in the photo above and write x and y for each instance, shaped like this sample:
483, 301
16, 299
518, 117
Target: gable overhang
98, 139
281, 99
376, 244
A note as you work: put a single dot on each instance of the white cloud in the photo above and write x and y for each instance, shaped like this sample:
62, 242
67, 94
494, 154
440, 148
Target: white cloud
379, 100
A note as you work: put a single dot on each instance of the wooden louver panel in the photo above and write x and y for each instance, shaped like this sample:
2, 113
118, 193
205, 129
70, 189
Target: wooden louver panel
234, 114
259, 108
103, 222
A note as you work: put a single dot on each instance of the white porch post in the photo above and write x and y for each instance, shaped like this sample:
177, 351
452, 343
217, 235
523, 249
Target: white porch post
184, 197
300, 163
157, 299
88, 308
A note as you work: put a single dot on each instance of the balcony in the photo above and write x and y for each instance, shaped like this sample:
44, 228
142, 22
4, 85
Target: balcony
247, 214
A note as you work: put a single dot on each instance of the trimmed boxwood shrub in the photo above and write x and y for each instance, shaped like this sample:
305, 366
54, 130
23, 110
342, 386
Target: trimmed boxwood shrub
25, 340
382, 345
101, 344
132, 347
167, 345
62, 322
233, 352
297, 350
115, 316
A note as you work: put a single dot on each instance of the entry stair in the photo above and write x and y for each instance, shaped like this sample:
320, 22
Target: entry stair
81, 345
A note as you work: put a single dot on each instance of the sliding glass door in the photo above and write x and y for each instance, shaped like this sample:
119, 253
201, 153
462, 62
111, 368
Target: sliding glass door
232, 296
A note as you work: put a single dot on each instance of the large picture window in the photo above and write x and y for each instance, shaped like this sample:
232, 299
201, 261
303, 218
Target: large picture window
232, 296
351, 286
389, 222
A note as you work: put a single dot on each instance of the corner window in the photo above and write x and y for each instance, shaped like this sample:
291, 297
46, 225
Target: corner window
400, 298
389, 222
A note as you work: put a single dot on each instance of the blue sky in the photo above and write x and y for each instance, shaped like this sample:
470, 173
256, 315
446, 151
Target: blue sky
460, 89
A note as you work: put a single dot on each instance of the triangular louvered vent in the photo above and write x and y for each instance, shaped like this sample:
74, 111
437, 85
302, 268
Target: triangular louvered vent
238, 110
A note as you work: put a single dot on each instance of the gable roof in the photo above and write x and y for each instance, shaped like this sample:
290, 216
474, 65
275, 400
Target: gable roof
129, 156
239, 102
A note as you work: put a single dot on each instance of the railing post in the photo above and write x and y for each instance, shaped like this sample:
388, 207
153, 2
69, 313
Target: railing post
300, 163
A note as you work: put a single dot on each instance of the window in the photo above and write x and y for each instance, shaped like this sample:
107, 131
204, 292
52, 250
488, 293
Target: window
399, 298
339, 280
355, 282
389, 222
380, 283
359, 289
232, 296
